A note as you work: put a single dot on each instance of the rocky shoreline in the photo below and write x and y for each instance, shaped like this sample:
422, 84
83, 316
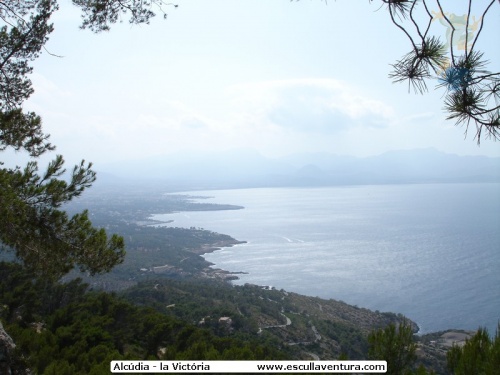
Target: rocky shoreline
210, 248
218, 273
431, 347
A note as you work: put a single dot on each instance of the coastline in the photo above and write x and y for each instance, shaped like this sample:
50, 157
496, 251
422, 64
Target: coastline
218, 273
228, 276
218, 245
441, 340
211, 271
431, 346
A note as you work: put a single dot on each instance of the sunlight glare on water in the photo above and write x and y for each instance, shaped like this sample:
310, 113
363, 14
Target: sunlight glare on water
431, 252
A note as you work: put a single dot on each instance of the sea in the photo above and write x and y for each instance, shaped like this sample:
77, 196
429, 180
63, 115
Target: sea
428, 251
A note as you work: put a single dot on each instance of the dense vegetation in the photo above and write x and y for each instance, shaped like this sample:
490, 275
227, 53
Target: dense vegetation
479, 355
65, 329
68, 329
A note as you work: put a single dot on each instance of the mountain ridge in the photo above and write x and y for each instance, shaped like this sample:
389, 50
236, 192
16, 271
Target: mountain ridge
248, 168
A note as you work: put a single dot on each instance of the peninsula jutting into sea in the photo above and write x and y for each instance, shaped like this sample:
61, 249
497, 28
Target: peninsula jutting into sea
174, 268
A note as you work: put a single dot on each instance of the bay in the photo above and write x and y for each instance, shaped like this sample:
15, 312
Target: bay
428, 251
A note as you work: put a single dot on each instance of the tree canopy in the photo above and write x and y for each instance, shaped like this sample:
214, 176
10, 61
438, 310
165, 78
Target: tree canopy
472, 93
395, 345
32, 223
479, 355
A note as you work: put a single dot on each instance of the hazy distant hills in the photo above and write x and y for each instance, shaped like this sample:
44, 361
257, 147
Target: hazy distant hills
246, 168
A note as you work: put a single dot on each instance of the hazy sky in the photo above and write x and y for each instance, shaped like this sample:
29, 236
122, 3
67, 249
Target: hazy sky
274, 75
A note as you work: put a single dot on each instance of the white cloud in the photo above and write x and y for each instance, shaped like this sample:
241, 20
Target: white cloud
275, 117
309, 105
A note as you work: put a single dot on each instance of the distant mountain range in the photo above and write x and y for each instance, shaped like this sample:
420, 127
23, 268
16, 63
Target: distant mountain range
247, 168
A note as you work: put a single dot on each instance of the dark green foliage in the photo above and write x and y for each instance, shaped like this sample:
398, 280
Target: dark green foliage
81, 332
45, 238
30, 298
251, 309
99, 15
19, 44
32, 224
23, 131
421, 370
395, 345
479, 356
354, 345
196, 300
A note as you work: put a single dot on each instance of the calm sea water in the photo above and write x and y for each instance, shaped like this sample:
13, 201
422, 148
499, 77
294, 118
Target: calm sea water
431, 252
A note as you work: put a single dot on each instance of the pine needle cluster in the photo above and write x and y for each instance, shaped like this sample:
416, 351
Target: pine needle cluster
472, 93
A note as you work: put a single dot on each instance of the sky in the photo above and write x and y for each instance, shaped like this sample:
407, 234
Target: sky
276, 76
